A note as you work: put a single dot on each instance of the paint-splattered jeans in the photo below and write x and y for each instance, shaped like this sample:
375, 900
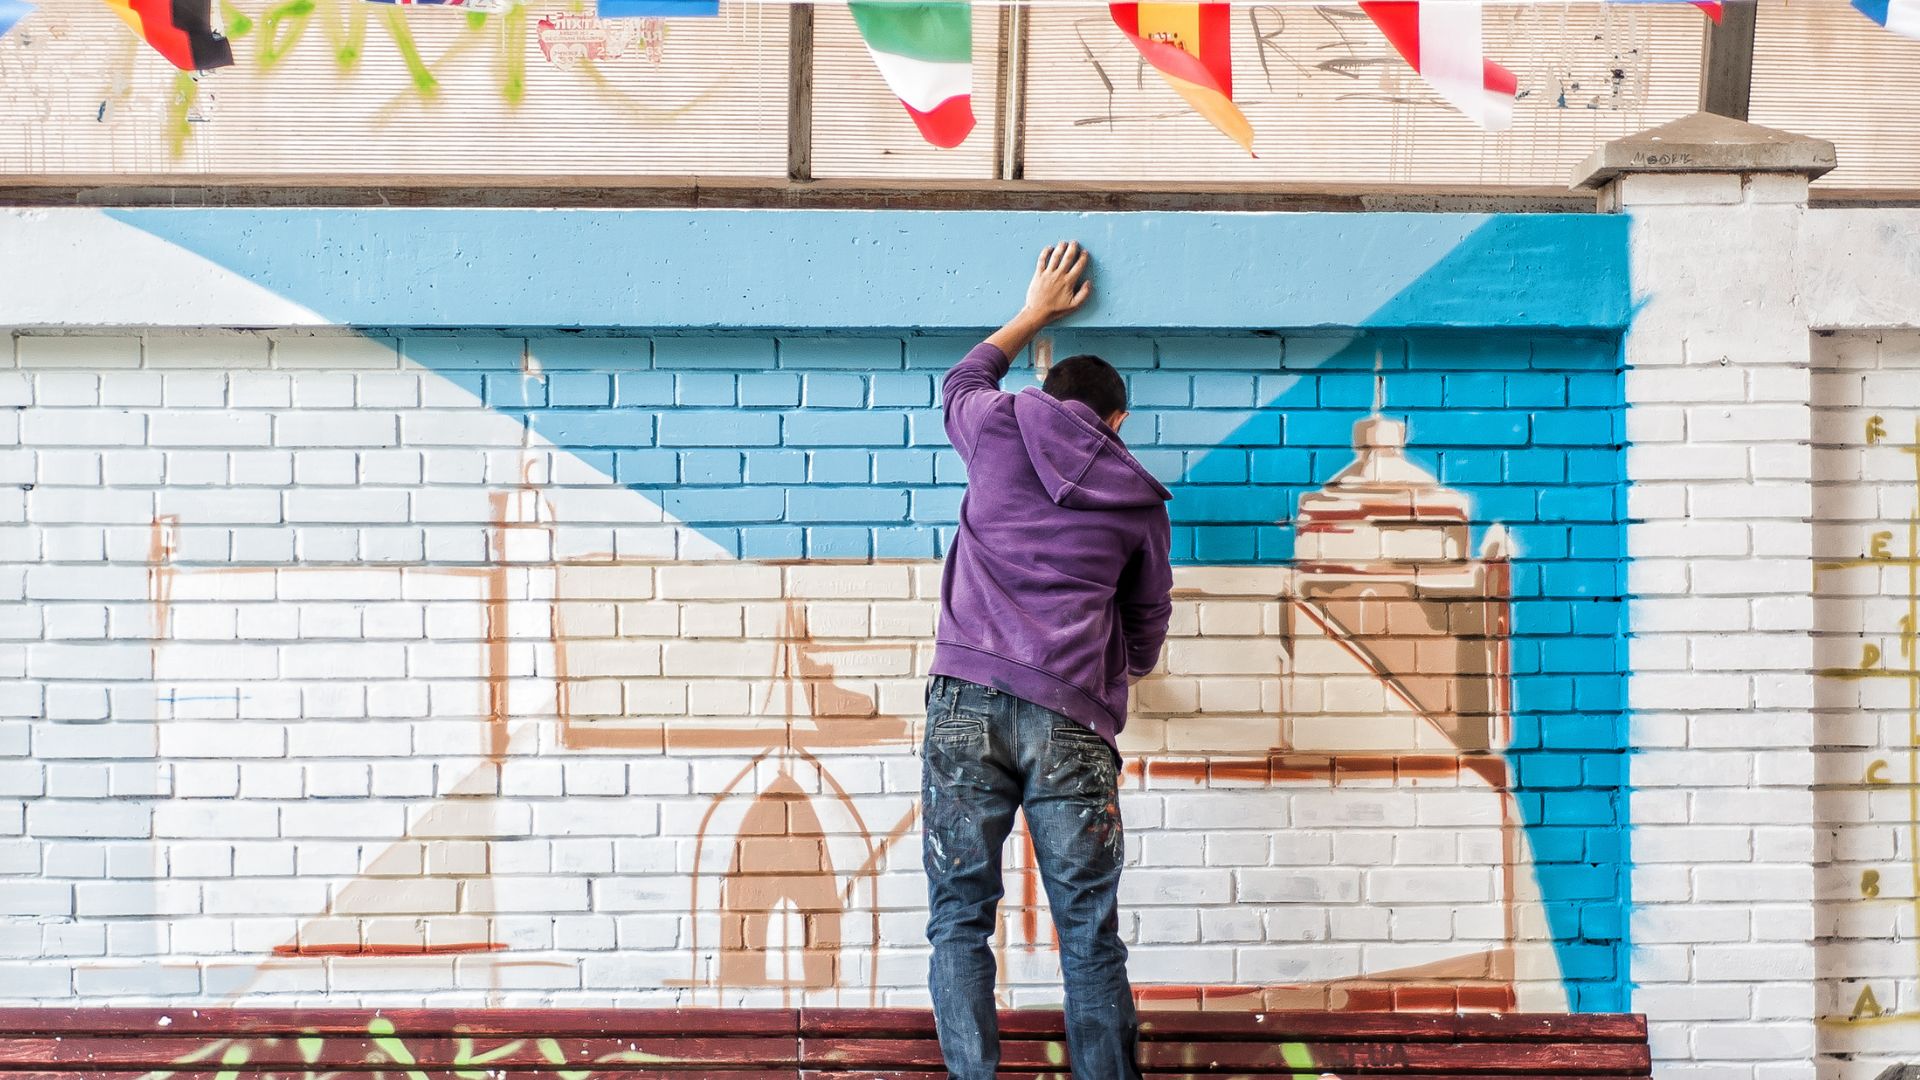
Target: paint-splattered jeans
988, 754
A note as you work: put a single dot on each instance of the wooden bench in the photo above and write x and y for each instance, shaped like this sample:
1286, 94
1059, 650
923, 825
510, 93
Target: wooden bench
782, 1044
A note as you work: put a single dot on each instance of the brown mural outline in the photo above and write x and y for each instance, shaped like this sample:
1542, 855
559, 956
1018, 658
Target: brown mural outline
801, 718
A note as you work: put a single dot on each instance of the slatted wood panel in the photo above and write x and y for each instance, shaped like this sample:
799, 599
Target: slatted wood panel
1826, 70
1330, 102
776, 1044
83, 95
861, 130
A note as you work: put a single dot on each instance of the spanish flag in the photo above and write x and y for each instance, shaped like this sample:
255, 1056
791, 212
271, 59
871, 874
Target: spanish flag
180, 30
1191, 46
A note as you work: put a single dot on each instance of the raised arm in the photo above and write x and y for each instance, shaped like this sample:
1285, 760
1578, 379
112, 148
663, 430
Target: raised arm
1059, 288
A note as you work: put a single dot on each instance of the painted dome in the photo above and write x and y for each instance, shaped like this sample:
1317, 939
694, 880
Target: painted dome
1382, 508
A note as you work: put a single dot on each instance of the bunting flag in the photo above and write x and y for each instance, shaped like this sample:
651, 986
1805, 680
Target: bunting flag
1713, 8
180, 30
1899, 16
925, 52
658, 9
12, 11
1191, 46
1441, 40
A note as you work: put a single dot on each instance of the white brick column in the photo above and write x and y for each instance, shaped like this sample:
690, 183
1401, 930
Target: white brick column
1721, 537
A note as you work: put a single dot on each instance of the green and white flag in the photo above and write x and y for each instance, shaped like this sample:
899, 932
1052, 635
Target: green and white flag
925, 52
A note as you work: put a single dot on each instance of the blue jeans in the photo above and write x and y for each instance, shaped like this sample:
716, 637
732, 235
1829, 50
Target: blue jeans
988, 754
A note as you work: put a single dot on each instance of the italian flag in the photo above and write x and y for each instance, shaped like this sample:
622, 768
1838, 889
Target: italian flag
925, 52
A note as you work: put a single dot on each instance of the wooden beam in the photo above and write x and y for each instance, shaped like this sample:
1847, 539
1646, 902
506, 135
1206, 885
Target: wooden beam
688, 192
1726, 77
799, 92
1010, 122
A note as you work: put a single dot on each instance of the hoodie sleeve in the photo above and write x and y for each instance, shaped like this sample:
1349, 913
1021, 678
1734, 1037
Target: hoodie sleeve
971, 386
1145, 597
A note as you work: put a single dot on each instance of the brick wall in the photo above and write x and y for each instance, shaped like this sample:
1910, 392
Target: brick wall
1722, 652
1866, 499
574, 669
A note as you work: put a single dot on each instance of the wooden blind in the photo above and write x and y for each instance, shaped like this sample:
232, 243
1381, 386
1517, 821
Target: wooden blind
861, 130
1825, 70
1330, 102
686, 96
361, 89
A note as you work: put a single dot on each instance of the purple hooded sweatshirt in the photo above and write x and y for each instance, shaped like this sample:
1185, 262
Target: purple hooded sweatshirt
1056, 587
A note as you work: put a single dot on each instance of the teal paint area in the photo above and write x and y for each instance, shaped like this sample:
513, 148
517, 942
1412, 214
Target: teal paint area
912, 270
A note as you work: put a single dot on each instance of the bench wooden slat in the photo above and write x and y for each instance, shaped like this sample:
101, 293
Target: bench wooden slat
1320, 1026
1599, 1059
1396, 1027
918, 1023
1603, 1059
917, 1074
147, 1051
1572, 1027
721, 1023
788, 1044
465, 1073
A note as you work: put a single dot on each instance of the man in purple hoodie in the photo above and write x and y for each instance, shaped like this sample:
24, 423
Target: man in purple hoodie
1054, 601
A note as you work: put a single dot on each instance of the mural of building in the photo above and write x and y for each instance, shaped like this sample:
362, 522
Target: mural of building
1360, 689
577, 662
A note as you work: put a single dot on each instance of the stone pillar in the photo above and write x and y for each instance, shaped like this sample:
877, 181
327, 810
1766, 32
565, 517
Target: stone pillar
1721, 537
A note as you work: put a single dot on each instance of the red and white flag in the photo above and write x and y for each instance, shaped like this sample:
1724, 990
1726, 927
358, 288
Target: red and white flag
1441, 39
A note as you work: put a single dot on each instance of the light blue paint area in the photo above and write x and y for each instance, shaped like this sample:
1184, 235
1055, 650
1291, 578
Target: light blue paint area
1554, 476
11, 12
911, 270
1524, 414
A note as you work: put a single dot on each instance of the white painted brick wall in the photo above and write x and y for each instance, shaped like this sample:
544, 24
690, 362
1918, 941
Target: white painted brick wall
1721, 509
158, 845
248, 716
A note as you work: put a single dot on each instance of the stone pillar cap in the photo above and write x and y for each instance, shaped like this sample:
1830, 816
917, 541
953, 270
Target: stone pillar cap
1706, 143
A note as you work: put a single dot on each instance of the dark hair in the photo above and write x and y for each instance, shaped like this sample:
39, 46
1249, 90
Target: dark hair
1090, 381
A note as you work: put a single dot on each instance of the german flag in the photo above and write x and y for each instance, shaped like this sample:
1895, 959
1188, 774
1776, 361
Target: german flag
180, 30
1191, 46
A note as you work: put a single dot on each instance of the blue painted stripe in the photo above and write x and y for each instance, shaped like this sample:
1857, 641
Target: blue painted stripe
907, 270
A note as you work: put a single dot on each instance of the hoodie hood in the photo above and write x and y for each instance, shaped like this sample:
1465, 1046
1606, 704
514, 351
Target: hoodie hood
1080, 461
